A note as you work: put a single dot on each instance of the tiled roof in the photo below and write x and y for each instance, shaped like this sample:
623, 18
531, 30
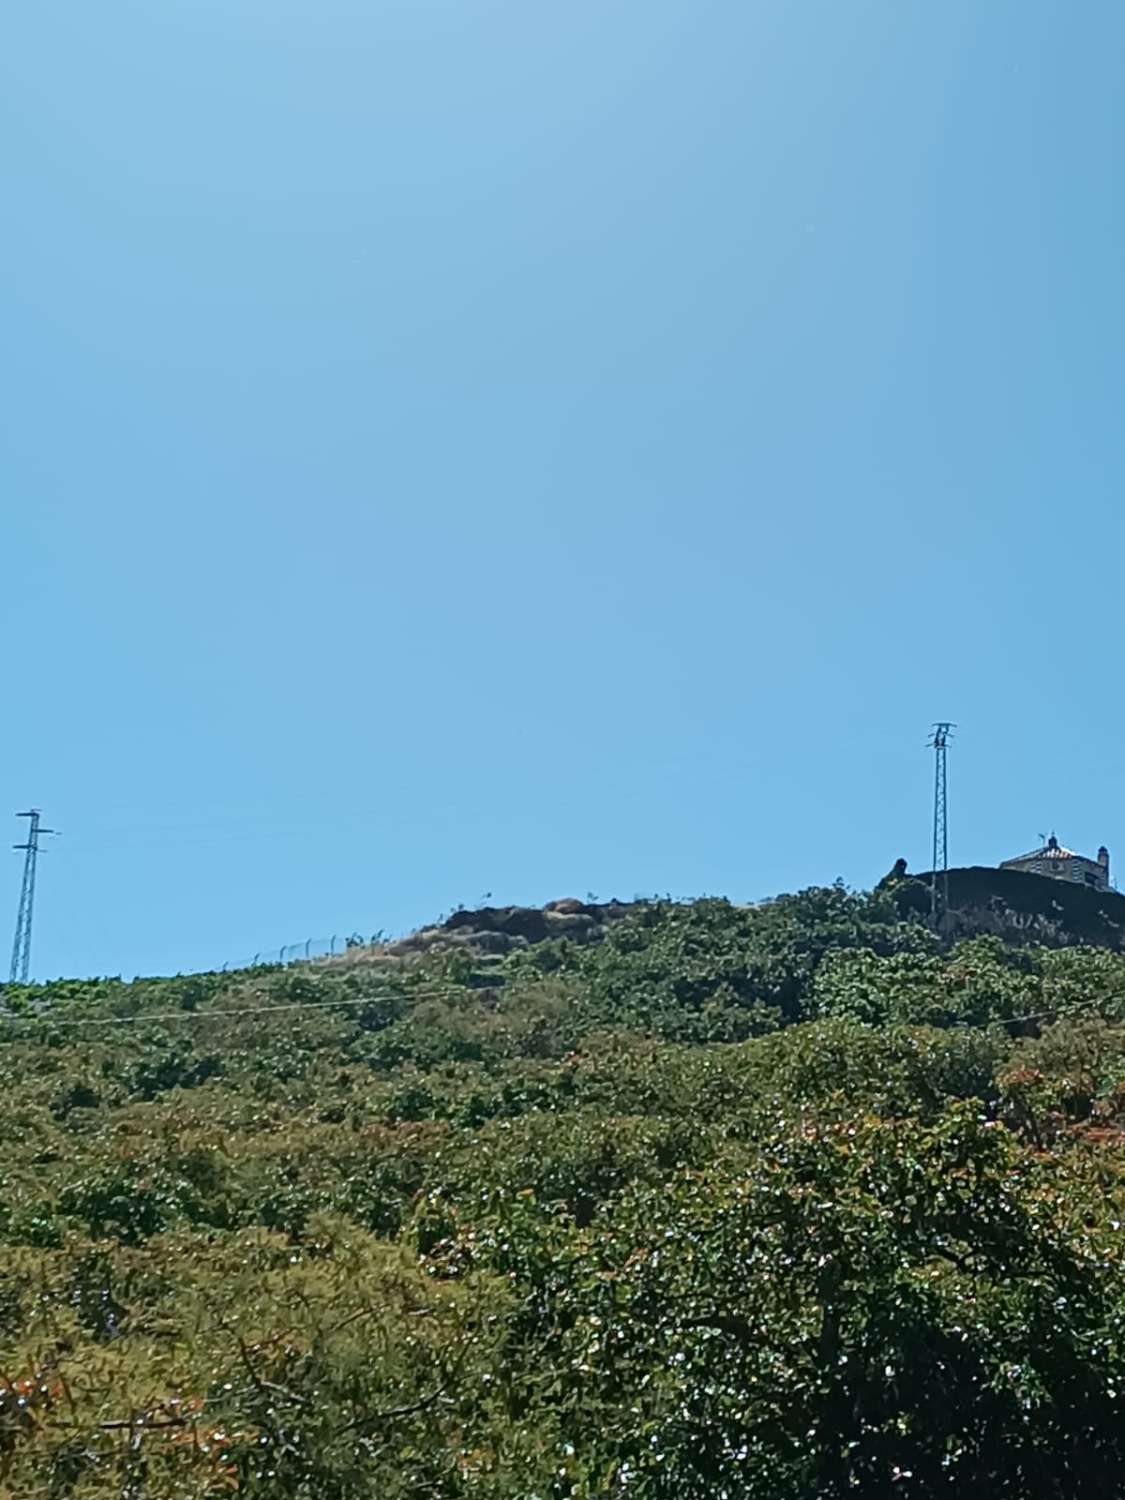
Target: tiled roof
1048, 851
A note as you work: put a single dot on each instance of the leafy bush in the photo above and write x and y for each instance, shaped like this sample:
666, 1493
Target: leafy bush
774, 1202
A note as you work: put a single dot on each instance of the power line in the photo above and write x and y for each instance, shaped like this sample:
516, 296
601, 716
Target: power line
1056, 1013
21, 948
151, 1017
45, 1019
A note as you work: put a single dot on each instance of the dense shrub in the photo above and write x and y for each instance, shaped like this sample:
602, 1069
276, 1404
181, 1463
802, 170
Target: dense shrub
788, 1201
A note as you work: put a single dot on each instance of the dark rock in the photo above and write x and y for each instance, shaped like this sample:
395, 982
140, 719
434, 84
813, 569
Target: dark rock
518, 921
495, 942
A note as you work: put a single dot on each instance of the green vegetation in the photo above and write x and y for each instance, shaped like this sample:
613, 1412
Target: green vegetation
782, 1202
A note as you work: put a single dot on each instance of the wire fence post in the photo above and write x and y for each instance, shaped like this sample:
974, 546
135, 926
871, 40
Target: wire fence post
305, 951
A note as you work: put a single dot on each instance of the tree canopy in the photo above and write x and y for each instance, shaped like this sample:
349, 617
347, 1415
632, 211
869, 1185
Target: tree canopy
784, 1201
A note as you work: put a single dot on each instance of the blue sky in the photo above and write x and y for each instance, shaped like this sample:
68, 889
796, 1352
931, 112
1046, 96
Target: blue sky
463, 446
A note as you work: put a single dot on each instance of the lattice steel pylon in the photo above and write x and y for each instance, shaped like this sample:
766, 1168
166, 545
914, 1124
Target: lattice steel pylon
21, 948
939, 742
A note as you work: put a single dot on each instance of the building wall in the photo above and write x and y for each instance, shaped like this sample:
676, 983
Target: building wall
1083, 871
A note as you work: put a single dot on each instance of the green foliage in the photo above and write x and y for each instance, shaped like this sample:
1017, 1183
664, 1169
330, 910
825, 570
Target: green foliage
786, 1201
839, 1316
976, 982
711, 971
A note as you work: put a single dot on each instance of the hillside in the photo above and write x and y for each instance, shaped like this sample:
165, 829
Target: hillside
1021, 906
657, 1200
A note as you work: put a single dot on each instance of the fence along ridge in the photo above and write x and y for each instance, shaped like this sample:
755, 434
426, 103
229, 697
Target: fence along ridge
293, 953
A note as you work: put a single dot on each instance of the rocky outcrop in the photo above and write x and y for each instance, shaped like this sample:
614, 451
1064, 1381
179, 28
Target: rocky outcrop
496, 930
1024, 908
580, 921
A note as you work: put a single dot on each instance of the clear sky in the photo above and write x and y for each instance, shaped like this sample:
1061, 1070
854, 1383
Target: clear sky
464, 446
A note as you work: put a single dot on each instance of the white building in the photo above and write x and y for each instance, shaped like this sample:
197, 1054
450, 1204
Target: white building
1064, 864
